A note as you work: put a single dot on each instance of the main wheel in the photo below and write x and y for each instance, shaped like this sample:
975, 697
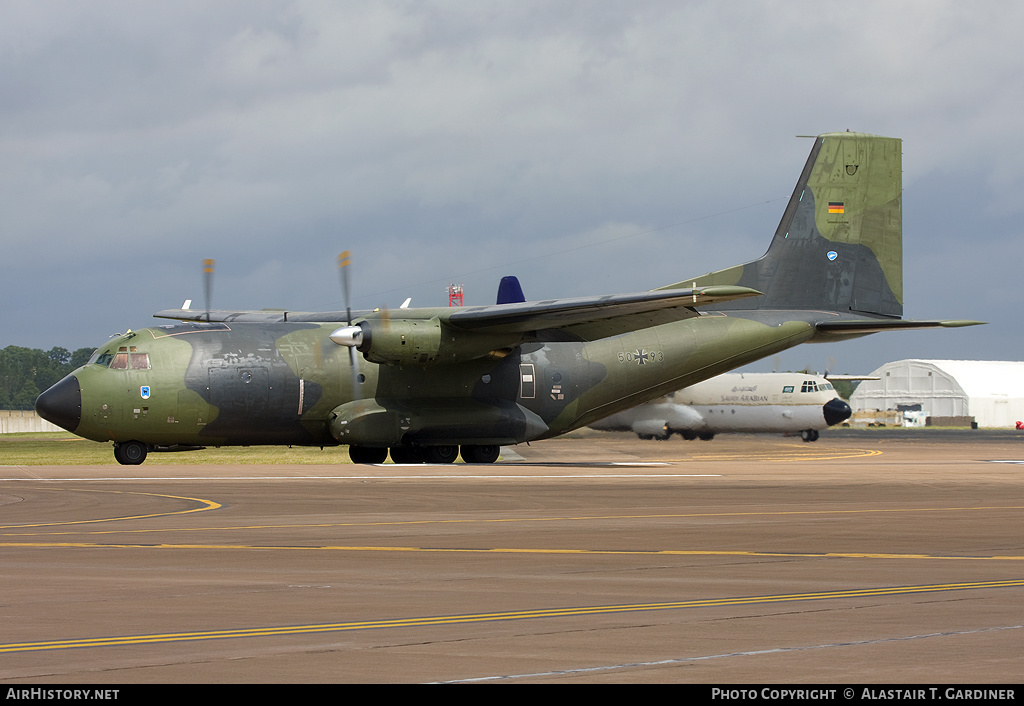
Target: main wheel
406, 454
130, 453
487, 453
440, 454
367, 454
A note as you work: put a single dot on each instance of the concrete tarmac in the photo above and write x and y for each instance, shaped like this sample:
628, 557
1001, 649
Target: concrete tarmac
746, 559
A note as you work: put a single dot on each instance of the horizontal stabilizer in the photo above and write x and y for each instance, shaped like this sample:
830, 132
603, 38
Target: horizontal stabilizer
846, 328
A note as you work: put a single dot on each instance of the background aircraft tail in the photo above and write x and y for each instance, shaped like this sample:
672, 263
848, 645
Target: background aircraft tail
839, 246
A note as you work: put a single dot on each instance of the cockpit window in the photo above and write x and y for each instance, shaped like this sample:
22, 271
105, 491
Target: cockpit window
102, 358
123, 359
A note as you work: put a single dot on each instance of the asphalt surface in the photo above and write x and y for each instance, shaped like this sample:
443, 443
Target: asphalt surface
858, 558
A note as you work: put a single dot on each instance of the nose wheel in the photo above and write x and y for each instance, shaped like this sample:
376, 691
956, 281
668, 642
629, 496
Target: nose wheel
130, 453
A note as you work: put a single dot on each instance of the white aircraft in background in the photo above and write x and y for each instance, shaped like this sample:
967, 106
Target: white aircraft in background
738, 403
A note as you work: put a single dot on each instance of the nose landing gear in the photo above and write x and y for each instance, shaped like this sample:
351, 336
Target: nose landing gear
130, 453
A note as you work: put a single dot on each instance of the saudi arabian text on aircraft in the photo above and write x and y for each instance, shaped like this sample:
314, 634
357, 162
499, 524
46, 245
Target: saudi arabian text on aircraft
783, 403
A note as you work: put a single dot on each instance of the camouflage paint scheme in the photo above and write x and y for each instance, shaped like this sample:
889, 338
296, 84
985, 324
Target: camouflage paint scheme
431, 380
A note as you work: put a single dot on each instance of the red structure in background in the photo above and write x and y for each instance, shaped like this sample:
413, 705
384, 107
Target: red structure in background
454, 295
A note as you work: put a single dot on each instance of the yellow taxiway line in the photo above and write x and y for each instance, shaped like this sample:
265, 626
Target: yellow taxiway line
571, 611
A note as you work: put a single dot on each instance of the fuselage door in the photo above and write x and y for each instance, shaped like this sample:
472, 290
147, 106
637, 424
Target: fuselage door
527, 381
240, 395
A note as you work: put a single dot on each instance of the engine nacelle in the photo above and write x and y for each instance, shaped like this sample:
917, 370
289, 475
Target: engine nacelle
400, 341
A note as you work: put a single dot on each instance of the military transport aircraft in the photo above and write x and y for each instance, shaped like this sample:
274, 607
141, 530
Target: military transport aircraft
780, 403
432, 382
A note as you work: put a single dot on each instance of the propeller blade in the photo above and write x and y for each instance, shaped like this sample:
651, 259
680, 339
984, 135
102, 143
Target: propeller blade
208, 283
349, 335
344, 260
353, 363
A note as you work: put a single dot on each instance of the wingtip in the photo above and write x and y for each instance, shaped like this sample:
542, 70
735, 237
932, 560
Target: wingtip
957, 323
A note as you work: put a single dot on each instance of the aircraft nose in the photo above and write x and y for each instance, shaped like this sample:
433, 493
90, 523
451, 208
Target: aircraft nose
836, 411
62, 404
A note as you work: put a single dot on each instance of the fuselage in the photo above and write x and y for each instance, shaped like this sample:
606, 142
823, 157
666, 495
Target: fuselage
288, 383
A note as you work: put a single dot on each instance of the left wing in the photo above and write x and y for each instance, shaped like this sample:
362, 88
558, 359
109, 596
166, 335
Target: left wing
560, 313
503, 318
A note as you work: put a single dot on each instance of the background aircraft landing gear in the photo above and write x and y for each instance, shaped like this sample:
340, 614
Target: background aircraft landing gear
809, 435
662, 434
367, 454
130, 453
487, 453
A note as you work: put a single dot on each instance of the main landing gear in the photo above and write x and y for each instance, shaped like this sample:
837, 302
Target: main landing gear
447, 453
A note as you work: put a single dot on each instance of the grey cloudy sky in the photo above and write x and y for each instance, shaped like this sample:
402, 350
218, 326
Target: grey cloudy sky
587, 147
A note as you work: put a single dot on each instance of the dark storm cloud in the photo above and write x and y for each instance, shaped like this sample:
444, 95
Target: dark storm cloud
587, 148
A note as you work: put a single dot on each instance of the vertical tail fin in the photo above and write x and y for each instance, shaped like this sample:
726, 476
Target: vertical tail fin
510, 291
839, 246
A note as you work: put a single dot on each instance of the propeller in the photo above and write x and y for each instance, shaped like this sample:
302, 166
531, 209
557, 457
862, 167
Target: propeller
831, 364
208, 283
349, 335
354, 336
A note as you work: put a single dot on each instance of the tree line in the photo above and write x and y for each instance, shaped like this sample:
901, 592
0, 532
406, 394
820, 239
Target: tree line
25, 372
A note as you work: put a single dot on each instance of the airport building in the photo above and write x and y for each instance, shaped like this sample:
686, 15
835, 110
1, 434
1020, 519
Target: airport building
990, 392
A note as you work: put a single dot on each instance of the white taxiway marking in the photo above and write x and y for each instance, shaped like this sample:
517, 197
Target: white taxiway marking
383, 477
